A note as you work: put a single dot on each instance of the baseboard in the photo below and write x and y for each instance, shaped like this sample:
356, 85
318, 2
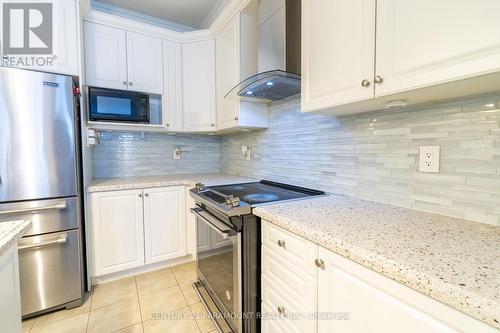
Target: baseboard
140, 270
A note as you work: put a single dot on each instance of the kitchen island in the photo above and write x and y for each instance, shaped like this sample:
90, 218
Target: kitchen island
10, 295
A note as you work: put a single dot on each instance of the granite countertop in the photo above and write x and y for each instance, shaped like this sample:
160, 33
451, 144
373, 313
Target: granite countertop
11, 232
454, 261
128, 183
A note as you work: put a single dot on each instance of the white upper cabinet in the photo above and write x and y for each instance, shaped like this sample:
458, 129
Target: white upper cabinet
105, 56
338, 46
65, 38
425, 51
236, 60
118, 59
172, 85
65, 51
144, 63
164, 223
227, 57
198, 72
423, 43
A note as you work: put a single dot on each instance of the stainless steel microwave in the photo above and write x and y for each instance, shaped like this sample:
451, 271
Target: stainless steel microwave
118, 106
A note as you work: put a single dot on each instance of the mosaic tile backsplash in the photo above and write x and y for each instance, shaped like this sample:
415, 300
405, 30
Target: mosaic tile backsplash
375, 156
131, 154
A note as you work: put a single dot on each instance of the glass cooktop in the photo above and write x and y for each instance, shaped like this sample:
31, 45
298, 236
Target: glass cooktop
259, 192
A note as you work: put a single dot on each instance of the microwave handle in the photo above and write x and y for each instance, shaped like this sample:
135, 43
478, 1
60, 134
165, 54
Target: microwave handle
143, 105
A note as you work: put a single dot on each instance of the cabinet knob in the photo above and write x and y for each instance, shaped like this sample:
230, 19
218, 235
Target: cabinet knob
167, 124
236, 118
281, 243
365, 83
130, 83
319, 263
378, 79
213, 125
124, 83
146, 195
281, 309
140, 195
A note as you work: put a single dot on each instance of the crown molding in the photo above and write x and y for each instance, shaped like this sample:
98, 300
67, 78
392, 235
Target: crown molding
114, 10
152, 27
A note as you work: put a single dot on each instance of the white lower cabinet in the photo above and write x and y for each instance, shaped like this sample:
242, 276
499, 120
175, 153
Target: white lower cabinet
117, 231
164, 223
131, 228
299, 283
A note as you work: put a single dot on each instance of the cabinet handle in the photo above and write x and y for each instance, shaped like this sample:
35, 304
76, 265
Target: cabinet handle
281, 243
320, 263
130, 83
124, 83
378, 79
213, 125
281, 310
365, 83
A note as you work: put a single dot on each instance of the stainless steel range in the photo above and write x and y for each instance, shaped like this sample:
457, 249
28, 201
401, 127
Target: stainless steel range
228, 248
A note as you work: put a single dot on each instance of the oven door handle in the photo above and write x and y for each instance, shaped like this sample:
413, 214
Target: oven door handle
213, 222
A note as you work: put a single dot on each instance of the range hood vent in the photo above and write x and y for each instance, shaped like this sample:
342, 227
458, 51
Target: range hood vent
267, 87
275, 84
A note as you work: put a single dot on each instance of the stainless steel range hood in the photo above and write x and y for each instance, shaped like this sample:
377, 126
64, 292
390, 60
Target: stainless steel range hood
273, 84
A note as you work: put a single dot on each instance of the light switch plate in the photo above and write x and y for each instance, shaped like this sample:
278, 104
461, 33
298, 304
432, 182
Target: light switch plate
429, 159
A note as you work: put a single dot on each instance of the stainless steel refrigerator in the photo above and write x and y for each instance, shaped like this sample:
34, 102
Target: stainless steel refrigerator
40, 181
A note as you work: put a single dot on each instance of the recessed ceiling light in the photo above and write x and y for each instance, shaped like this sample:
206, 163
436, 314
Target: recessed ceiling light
249, 92
270, 83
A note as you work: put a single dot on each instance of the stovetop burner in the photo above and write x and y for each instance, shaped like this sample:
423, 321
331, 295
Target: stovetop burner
260, 197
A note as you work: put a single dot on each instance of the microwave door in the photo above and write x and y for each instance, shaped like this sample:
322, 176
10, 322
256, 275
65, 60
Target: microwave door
118, 106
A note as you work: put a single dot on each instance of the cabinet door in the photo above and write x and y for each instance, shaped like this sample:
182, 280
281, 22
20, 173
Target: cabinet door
423, 43
346, 287
144, 63
198, 68
117, 231
65, 57
338, 47
105, 56
227, 66
172, 85
164, 223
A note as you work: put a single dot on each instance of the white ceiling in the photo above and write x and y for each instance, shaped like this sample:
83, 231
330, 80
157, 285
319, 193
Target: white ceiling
191, 13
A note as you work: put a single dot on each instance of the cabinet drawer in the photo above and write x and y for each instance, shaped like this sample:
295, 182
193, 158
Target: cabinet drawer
298, 251
296, 314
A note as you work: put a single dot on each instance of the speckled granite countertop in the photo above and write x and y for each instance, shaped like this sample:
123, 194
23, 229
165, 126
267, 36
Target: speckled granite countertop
454, 261
114, 184
11, 232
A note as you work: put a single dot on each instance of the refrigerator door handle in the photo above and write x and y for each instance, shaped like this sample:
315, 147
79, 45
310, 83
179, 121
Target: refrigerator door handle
59, 206
61, 240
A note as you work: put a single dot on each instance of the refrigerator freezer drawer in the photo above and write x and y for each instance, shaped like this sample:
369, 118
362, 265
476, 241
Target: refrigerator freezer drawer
50, 271
46, 215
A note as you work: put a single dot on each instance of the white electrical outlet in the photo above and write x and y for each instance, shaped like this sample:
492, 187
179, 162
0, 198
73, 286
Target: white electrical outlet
177, 154
429, 159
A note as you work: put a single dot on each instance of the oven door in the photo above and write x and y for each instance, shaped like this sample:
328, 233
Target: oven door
219, 265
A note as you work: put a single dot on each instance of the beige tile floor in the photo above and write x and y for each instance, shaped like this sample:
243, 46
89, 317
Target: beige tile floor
146, 303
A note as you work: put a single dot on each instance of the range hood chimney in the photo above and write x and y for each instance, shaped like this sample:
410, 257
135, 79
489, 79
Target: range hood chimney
279, 56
